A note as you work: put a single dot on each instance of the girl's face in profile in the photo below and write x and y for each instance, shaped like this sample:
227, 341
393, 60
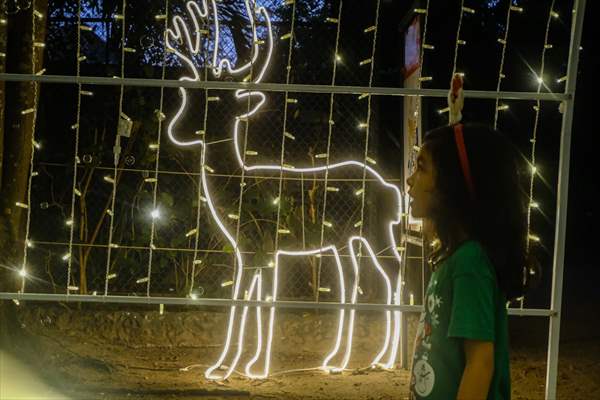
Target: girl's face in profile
422, 186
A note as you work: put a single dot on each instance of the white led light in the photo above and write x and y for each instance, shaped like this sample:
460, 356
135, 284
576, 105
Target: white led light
192, 232
155, 213
190, 47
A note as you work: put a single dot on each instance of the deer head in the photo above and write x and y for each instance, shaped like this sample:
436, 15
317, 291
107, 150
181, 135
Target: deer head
187, 44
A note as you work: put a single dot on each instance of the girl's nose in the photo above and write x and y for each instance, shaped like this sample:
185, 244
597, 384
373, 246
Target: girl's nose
410, 181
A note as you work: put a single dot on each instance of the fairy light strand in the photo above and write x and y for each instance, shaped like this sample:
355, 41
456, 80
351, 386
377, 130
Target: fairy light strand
379, 356
501, 76
248, 368
533, 141
117, 149
155, 210
76, 158
284, 130
279, 194
329, 135
199, 198
460, 18
32, 115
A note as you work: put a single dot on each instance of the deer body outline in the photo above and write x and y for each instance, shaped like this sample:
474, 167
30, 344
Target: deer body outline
191, 44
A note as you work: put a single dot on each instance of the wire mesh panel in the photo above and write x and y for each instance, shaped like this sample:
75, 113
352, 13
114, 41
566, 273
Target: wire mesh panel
117, 207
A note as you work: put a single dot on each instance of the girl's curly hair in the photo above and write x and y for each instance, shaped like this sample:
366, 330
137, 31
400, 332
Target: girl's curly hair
496, 216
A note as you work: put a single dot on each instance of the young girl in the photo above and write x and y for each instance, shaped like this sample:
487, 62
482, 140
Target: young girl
466, 188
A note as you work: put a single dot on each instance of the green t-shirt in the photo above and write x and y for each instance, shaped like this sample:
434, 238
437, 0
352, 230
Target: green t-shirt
462, 302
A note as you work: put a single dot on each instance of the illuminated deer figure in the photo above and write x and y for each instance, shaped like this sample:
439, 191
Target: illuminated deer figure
186, 43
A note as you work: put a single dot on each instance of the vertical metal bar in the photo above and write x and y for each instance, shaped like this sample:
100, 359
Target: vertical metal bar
561, 211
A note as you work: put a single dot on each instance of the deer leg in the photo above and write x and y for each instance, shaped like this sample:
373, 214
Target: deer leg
258, 280
388, 299
230, 328
342, 312
209, 372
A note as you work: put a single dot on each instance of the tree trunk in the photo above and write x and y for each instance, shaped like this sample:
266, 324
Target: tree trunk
16, 135
18, 128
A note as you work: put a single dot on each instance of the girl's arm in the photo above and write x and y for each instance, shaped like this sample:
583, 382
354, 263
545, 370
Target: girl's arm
479, 369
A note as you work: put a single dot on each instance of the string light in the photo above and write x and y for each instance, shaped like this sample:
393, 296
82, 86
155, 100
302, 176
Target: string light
74, 190
504, 42
180, 31
117, 147
533, 140
35, 86
155, 213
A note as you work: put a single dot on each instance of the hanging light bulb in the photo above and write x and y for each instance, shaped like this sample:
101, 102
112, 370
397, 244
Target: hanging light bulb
155, 213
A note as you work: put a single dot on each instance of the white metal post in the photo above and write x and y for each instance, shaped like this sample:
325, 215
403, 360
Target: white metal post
561, 208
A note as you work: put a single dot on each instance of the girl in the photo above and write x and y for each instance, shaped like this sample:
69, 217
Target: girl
466, 189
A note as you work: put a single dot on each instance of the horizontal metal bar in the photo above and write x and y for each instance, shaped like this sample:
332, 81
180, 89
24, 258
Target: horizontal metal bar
307, 176
278, 87
230, 302
157, 249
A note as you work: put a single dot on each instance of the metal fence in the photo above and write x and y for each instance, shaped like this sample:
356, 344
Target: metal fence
170, 247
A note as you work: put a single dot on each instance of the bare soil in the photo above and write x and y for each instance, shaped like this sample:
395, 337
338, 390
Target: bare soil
96, 353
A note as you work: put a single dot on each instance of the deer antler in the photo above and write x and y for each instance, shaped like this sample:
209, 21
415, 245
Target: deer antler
252, 11
188, 46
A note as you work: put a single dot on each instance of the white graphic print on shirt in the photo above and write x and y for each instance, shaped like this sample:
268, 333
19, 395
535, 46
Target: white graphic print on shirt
423, 374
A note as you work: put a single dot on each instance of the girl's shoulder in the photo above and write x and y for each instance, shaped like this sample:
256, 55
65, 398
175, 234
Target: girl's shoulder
471, 258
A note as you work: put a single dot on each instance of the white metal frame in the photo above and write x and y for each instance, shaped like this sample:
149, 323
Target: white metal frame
554, 313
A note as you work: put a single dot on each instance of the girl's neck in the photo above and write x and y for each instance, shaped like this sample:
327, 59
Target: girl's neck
430, 235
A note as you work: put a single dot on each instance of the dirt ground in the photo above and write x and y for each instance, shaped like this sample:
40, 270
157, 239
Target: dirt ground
94, 353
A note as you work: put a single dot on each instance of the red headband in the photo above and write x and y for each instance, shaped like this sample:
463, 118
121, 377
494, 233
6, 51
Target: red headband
464, 160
